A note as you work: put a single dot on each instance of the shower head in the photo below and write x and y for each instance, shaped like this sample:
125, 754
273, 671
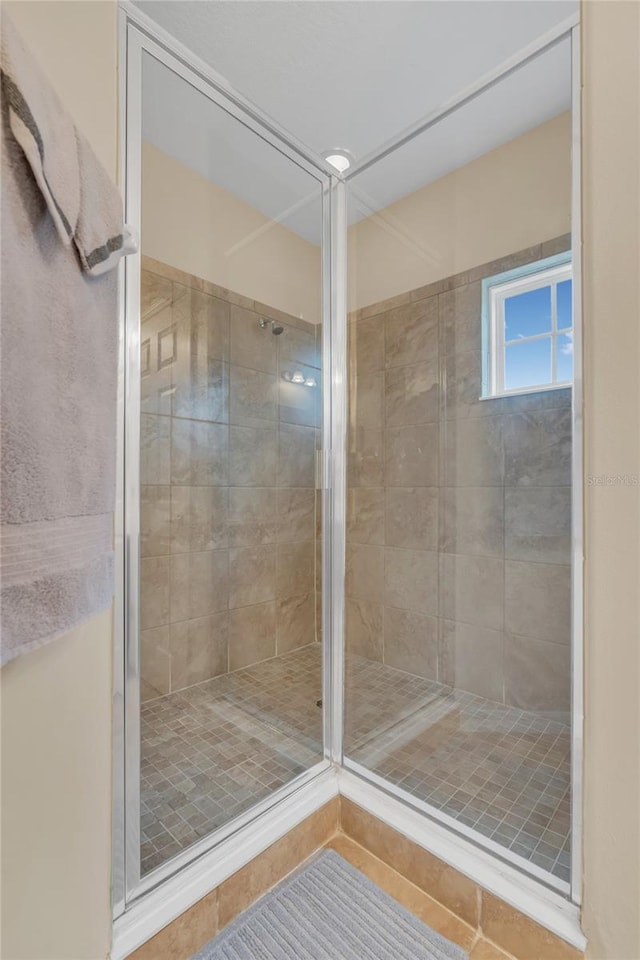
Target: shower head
276, 328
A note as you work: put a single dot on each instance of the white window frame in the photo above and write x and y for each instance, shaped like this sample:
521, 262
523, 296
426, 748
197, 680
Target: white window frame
495, 291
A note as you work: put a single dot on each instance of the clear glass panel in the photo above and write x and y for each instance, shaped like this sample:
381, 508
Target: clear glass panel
564, 360
563, 293
230, 340
527, 364
458, 581
527, 314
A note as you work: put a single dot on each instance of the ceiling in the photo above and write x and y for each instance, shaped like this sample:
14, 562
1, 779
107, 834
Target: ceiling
350, 74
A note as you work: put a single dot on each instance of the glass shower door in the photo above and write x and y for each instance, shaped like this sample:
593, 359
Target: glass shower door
229, 378
459, 538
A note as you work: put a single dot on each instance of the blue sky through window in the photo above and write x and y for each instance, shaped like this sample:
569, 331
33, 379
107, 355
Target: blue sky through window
527, 314
527, 363
564, 304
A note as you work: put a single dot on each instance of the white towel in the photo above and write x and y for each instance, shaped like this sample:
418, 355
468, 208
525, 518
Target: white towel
62, 234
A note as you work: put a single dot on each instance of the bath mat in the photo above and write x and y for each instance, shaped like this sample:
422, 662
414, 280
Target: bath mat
328, 910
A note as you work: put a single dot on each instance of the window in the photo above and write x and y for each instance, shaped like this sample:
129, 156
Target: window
527, 328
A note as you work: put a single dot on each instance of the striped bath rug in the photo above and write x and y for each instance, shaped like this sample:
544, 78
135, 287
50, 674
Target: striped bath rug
328, 910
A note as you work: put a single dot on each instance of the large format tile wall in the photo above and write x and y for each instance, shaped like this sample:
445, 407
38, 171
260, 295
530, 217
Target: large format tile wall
459, 509
227, 478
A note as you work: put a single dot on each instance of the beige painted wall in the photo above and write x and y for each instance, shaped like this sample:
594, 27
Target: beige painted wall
56, 702
611, 230
196, 226
513, 197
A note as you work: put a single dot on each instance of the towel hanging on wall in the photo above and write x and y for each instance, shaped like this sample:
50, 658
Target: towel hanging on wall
62, 237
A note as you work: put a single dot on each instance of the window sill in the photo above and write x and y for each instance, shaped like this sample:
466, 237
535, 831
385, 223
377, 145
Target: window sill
527, 391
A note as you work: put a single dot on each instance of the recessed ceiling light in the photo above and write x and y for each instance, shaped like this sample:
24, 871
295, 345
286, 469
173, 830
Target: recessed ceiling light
340, 160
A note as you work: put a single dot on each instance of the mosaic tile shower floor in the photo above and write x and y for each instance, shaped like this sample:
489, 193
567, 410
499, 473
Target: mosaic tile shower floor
210, 752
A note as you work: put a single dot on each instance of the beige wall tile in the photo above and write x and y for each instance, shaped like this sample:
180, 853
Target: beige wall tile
199, 649
537, 674
366, 345
155, 449
463, 379
253, 456
154, 591
472, 658
472, 520
411, 333
411, 456
295, 568
155, 661
245, 886
250, 503
365, 455
473, 452
201, 385
199, 453
252, 575
295, 509
251, 346
411, 517
472, 590
300, 402
538, 600
366, 398
295, 622
535, 402
364, 628
459, 312
198, 518
199, 584
252, 634
296, 456
440, 881
412, 394
155, 292
519, 935
537, 448
365, 515
155, 520
364, 571
538, 524
185, 935
203, 325
411, 642
254, 533
253, 397
411, 580
158, 356
297, 346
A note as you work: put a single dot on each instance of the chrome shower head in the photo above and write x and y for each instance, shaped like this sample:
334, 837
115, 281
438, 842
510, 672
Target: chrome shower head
276, 328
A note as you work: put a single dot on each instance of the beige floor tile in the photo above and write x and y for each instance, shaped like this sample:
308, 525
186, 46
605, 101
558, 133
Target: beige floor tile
269, 868
513, 931
410, 896
185, 935
485, 950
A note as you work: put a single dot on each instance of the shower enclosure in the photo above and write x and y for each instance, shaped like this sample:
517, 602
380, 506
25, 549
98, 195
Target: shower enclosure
351, 468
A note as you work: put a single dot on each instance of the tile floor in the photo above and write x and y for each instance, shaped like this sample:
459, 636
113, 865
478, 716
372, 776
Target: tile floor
212, 751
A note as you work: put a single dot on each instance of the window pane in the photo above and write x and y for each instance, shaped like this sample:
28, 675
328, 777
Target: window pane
528, 313
527, 364
564, 360
564, 305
